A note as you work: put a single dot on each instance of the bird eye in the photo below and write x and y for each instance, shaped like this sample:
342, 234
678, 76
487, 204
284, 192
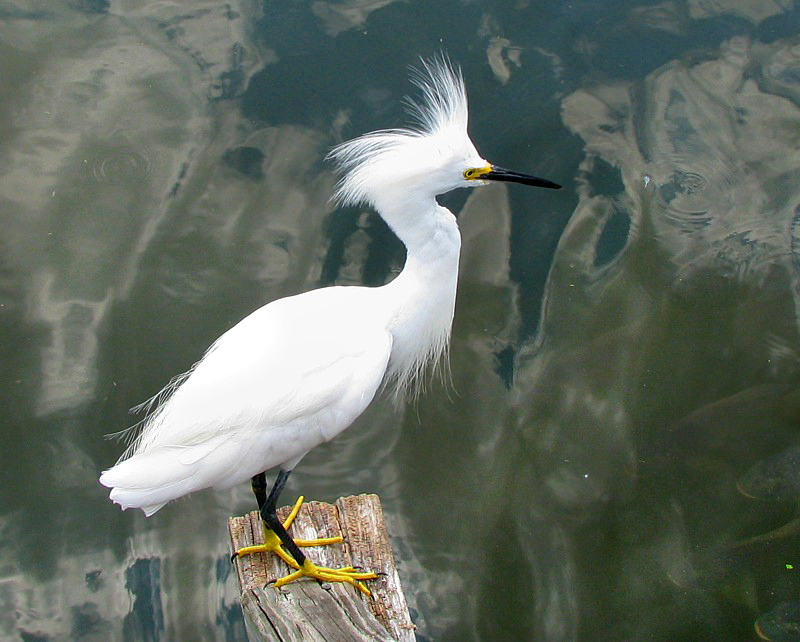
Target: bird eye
470, 173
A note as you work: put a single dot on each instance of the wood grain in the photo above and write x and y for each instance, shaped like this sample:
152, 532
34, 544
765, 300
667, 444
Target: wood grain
305, 610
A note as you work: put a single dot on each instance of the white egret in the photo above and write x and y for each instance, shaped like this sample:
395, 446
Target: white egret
296, 372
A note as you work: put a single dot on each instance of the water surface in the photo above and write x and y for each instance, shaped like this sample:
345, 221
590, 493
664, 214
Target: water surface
625, 356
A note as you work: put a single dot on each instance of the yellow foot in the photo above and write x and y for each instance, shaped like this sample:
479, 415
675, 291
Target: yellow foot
272, 543
323, 574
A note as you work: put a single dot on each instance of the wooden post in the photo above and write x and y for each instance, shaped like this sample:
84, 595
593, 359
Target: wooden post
304, 610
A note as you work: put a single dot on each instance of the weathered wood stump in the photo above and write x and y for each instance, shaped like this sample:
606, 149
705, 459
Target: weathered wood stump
305, 610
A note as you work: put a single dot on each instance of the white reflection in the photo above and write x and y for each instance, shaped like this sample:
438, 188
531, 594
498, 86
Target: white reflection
504, 56
666, 16
105, 134
95, 602
717, 151
753, 10
340, 16
97, 596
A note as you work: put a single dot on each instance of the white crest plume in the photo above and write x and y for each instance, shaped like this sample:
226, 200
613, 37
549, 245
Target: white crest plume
372, 161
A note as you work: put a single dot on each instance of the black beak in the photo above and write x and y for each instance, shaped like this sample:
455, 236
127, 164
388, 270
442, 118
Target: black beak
500, 174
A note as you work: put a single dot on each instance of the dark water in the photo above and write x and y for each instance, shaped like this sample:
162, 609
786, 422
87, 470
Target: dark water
625, 354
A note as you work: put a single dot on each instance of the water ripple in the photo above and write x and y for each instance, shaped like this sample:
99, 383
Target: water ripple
122, 165
693, 191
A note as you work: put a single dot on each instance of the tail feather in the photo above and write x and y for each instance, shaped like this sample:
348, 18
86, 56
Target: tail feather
151, 479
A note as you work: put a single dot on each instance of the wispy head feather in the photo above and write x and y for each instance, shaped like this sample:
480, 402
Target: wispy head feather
443, 104
375, 160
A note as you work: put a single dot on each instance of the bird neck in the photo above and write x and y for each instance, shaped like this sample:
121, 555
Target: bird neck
422, 297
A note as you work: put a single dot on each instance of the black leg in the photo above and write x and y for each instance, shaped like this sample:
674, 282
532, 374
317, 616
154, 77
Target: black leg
259, 485
270, 517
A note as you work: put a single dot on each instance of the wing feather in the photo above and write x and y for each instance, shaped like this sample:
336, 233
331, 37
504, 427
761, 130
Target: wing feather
288, 377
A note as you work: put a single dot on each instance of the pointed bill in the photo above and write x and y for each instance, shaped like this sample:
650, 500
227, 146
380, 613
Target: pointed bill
495, 173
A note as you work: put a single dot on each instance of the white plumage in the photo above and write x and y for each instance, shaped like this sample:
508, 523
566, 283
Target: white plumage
299, 370
245, 406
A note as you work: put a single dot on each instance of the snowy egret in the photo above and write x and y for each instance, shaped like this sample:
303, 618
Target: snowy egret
296, 372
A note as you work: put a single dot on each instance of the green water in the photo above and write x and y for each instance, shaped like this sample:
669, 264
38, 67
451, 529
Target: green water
625, 355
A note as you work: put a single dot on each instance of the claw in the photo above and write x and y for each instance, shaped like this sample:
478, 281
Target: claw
324, 574
272, 544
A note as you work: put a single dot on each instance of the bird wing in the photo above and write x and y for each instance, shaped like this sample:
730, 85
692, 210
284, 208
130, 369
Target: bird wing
288, 377
318, 352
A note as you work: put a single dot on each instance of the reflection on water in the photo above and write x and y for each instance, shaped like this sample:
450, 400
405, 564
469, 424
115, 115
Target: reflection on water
755, 10
636, 421
621, 475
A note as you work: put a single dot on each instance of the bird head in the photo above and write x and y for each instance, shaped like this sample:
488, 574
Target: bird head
434, 158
